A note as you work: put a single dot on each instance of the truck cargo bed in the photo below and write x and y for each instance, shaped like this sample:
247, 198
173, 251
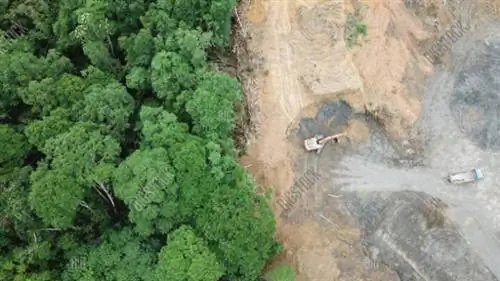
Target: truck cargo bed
466, 176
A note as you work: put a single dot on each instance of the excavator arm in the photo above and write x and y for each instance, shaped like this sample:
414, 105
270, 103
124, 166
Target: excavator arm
332, 137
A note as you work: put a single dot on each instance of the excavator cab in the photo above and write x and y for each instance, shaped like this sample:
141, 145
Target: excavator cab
313, 143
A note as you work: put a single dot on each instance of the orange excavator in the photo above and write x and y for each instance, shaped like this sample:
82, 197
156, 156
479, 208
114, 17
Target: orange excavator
318, 141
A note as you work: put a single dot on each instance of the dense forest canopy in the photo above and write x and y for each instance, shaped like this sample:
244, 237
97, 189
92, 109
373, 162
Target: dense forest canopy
117, 161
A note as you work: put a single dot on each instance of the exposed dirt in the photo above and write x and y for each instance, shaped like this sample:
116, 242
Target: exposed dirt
300, 62
384, 61
300, 59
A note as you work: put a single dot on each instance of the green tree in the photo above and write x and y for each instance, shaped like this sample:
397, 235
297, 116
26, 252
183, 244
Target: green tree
16, 71
16, 220
161, 128
212, 105
94, 30
171, 74
82, 152
178, 64
193, 176
75, 160
39, 131
145, 182
117, 133
281, 273
121, 256
139, 78
218, 20
49, 94
211, 15
55, 196
139, 49
187, 257
15, 147
109, 105
240, 223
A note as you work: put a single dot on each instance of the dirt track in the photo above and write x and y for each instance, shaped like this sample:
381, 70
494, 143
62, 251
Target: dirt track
305, 65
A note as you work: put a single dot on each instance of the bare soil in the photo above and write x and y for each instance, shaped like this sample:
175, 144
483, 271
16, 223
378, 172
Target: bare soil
299, 63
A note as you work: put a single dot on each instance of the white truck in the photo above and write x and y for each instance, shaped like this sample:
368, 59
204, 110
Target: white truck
473, 175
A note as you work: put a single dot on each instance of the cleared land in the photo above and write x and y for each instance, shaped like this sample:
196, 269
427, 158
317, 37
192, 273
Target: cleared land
383, 210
